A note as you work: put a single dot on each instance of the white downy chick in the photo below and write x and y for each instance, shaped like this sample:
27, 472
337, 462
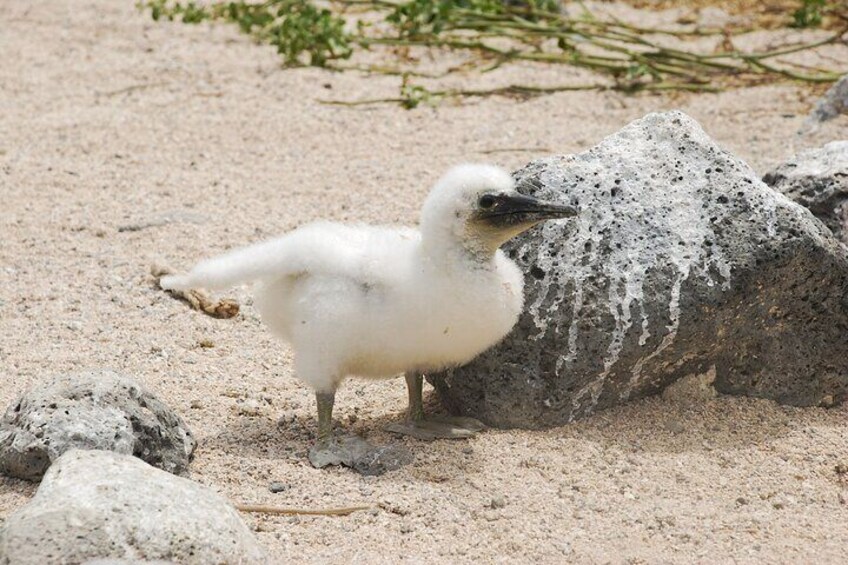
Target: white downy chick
375, 302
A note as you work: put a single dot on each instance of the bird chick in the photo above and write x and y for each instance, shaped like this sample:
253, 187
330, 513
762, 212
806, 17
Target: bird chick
375, 302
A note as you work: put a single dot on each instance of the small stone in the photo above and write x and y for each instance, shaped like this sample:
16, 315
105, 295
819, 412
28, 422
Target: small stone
206, 343
467, 450
497, 502
286, 419
248, 407
833, 104
741, 501
276, 487
196, 404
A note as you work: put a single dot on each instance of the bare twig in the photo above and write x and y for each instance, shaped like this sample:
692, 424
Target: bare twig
132, 88
261, 509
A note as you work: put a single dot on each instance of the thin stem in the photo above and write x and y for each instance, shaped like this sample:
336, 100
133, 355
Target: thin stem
259, 508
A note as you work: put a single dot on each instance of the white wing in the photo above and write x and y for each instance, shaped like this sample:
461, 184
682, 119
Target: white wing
362, 253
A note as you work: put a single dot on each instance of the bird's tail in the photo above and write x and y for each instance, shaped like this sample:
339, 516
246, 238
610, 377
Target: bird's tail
236, 267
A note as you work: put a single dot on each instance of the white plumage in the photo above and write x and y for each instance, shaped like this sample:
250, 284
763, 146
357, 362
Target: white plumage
378, 301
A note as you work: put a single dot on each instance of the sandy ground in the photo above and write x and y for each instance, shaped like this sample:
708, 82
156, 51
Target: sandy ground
108, 120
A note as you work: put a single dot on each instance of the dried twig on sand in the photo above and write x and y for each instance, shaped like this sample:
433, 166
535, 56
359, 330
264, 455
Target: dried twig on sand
292, 511
197, 299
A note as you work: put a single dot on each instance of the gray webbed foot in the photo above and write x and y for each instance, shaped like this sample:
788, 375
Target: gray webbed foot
351, 450
334, 450
438, 427
433, 427
359, 455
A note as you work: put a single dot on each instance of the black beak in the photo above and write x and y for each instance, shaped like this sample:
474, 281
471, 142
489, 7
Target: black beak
521, 209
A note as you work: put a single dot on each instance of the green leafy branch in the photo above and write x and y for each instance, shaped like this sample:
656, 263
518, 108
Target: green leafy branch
301, 32
494, 32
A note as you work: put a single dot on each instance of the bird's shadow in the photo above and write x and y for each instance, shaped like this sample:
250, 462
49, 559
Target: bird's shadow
291, 436
650, 425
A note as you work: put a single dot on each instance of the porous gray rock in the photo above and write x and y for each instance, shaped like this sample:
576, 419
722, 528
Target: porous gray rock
818, 180
98, 505
680, 259
97, 409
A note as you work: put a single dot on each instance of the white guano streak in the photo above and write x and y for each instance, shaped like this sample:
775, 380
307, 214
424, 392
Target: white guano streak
653, 229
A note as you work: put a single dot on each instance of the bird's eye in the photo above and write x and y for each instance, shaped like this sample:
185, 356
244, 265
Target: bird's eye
486, 201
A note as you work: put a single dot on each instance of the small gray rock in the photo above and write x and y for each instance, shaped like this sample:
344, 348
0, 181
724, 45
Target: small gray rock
831, 105
497, 502
96, 505
680, 259
276, 487
818, 180
91, 410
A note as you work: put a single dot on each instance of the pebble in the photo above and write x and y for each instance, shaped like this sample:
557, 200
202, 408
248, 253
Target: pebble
278, 487
497, 502
250, 407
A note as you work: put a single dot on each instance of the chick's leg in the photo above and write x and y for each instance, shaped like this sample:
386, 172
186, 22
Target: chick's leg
329, 449
434, 427
415, 392
325, 403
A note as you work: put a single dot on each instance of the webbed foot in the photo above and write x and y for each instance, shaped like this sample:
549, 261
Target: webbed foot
438, 427
359, 455
334, 450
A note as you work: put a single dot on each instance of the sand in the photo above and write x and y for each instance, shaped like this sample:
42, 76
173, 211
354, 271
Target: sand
110, 121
